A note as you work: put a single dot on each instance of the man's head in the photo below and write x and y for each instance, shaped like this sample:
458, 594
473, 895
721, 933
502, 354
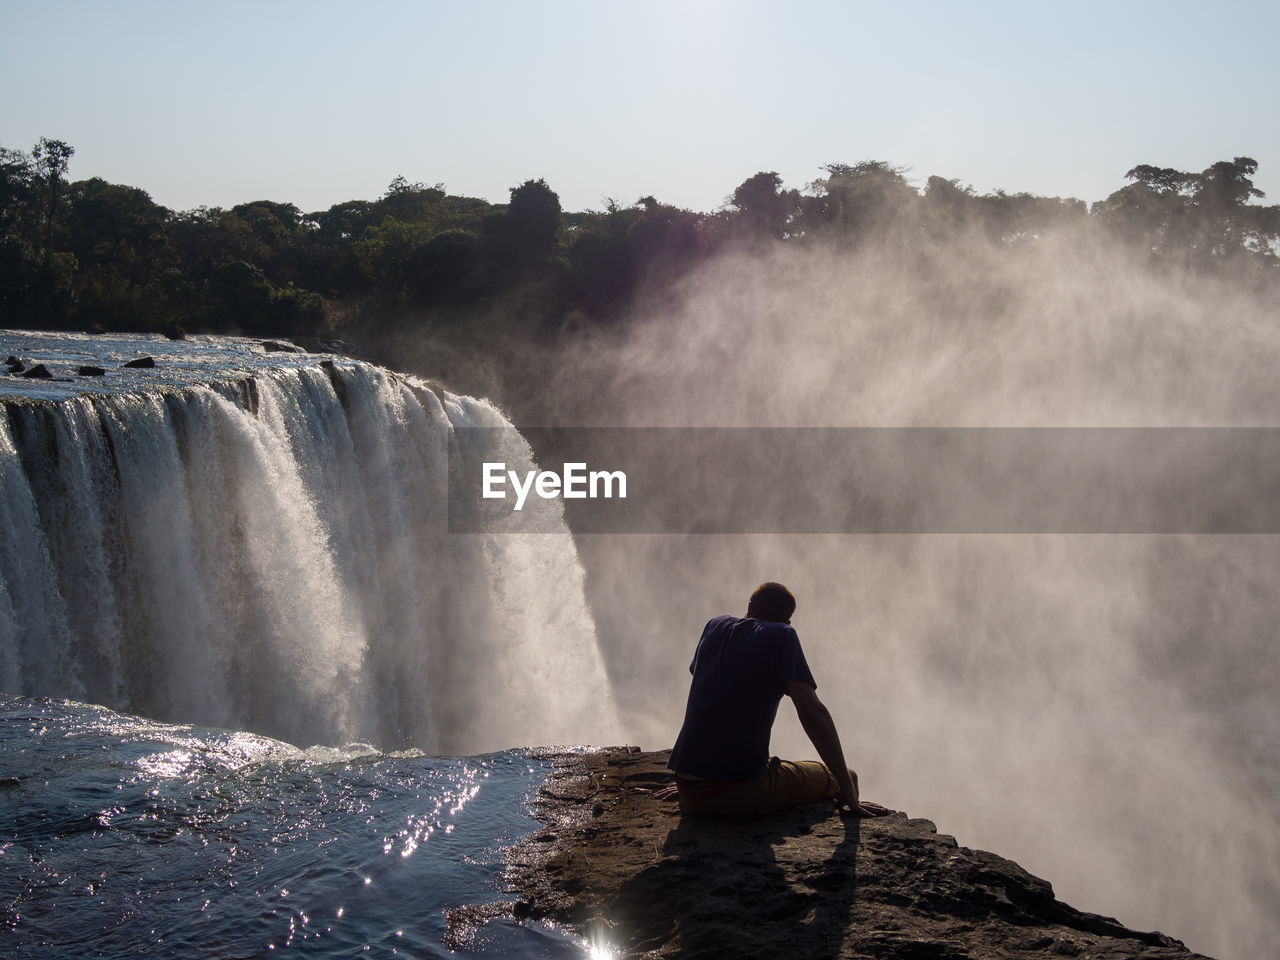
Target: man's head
771, 601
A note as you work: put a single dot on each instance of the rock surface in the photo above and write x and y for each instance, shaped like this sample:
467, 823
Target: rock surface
627, 871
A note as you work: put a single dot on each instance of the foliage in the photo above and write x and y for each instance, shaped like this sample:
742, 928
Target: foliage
50, 158
1197, 220
764, 209
92, 253
523, 236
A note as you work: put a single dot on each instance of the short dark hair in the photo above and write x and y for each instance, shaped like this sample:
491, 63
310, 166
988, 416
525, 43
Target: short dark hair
771, 601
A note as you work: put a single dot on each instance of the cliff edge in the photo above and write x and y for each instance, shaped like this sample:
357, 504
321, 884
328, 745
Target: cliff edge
627, 871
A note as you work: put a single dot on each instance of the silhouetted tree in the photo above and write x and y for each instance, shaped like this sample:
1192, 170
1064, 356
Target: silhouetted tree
272, 223
344, 222
948, 206
525, 234
95, 252
109, 224
52, 158
17, 194
600, 273
442, 270
763, 208
119, 238
1011, 217
1225, 225
855, 201
411, 202
1194, 220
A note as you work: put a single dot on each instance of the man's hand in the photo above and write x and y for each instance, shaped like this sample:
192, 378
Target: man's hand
847, 798
850, 805
864, 809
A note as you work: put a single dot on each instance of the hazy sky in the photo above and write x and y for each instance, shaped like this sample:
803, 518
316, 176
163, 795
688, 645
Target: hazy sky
320, 102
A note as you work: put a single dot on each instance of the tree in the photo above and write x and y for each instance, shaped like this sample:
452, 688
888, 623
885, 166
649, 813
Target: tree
442, 270
601, 270
764, 209
383, 254
411, 202
527, 232
273, 223
119, 238
855, 201
52, 158
1194, 219
1162, 180
345, 222
1220, 195
116, 225
949, 206
17, 193
1151, 211
616, 254
1226, 185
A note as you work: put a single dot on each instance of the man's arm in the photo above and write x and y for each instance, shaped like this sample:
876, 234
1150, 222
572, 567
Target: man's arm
821, 730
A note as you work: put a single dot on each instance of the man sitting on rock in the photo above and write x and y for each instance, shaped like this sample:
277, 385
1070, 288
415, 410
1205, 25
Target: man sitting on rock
741, 669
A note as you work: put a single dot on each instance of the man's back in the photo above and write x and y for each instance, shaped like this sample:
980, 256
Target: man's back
740, 672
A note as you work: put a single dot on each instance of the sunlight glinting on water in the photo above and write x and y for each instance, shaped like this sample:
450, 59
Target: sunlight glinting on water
180, 840
448, 804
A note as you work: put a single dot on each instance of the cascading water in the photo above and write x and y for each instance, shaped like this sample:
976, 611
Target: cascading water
260, 542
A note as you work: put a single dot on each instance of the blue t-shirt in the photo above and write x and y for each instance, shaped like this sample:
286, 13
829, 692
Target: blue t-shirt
740, 673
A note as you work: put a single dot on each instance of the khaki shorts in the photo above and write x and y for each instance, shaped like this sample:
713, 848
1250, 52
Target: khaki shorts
785, 784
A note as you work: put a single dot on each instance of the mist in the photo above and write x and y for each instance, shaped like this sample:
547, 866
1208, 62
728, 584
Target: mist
1099, 708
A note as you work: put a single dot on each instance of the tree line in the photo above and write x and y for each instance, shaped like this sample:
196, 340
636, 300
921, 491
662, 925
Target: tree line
88, 254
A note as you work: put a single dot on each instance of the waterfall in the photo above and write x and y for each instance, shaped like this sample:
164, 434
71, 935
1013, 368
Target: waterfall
271, 553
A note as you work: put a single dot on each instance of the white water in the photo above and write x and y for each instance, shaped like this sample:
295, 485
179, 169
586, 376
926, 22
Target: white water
269, 551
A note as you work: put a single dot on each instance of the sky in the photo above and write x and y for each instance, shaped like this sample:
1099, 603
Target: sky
321, 102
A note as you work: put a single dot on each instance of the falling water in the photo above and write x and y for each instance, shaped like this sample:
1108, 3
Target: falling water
260, 542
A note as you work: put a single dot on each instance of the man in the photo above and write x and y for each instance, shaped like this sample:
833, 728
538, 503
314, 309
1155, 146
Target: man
741, 670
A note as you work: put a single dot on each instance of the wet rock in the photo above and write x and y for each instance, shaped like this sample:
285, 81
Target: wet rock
142, 363
274, 346
175, 332
616, 861
91, 372
38, 372
249, 398
316, 345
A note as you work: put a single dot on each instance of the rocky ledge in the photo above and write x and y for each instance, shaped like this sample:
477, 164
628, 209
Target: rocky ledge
623, 868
